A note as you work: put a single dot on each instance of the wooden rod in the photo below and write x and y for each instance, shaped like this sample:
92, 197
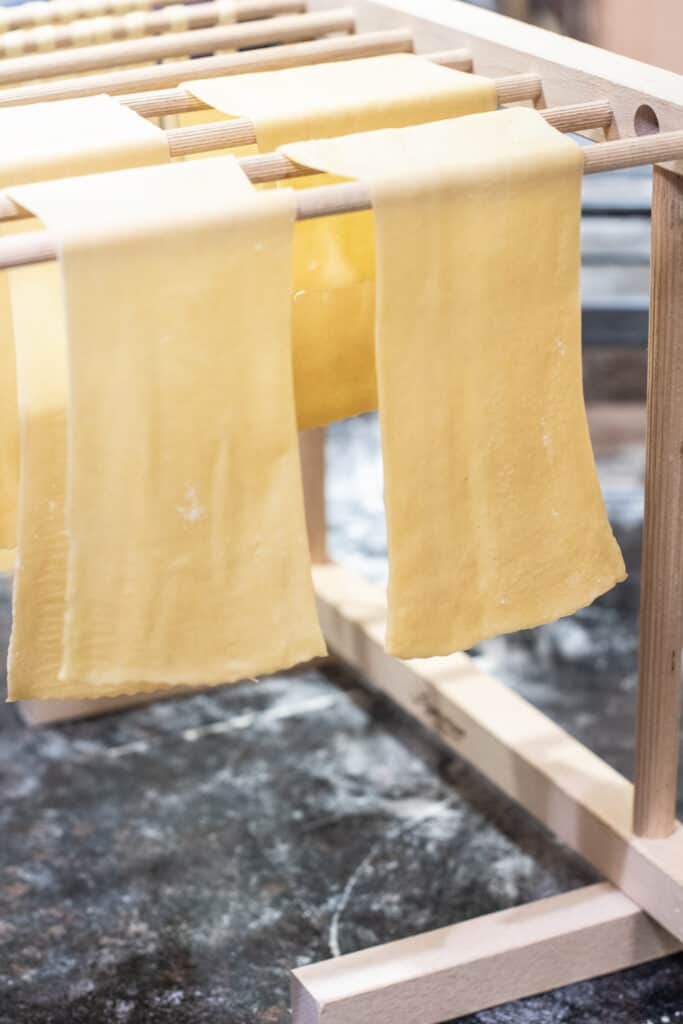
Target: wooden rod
274, 166
112, 28
516, 88
204, 138
661, 596
331, 200
288, 28
47, 12
134, 80
312, 450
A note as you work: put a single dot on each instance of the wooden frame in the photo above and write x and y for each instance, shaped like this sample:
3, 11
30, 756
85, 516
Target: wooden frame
566, 787
637, 915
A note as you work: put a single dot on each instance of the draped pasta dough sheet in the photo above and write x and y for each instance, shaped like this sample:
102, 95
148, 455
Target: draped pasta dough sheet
334, 291
54, 140
80, 136
187, 552
39, 595
494, 513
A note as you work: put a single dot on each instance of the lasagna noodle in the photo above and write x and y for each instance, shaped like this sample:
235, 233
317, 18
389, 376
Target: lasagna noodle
334, 292
54, 140
494, 513
187, 553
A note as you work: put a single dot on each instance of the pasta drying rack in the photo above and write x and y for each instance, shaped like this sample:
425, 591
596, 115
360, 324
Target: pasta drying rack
627, 832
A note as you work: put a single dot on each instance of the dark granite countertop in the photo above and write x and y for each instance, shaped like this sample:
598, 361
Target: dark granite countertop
171, 862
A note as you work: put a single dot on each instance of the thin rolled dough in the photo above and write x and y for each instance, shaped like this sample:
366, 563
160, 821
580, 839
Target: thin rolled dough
494, 513
54, 140
334, 259
187, 552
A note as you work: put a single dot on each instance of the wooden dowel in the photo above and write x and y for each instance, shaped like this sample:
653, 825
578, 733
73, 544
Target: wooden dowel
331, 200
312, 449
204, 138
47, 12
516, 88
196, 15
217, 135
623, 153
133, 80
580, 117
288, 28
661, 595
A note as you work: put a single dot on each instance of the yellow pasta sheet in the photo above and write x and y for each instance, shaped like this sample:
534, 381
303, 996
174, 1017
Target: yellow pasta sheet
187, 551
334, 291
494, 513
54, 140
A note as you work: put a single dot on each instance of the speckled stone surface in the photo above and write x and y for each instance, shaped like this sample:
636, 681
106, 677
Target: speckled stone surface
171, 862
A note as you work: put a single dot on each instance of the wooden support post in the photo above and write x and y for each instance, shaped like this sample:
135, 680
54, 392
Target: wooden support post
312, 447
661, 603
481, 963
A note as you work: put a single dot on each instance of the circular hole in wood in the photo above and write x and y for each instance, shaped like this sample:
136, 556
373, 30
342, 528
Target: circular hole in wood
646, 121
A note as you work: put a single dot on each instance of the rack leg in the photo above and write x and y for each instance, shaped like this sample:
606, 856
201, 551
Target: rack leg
312, 447
476, 964
659, 685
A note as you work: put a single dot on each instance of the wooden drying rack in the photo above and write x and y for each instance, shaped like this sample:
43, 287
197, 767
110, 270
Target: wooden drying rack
628, 833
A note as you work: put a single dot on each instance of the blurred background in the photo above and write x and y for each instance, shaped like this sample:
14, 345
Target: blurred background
651, 32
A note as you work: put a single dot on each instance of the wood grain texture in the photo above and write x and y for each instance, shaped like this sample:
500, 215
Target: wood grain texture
572, 71
661, 603
564, 785
481, 963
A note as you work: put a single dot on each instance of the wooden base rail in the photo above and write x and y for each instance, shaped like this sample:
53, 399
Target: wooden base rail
137, 80
113, 28
481, 963
331, 200
560, 782
264, 32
